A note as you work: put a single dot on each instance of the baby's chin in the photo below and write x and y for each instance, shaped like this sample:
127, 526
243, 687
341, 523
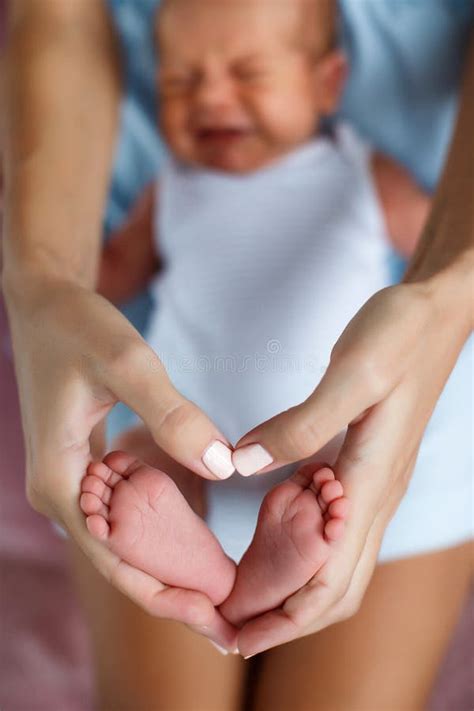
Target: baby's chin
233, 161
231, 165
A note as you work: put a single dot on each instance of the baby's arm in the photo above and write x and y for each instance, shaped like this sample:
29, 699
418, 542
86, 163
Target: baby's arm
130, 259
405, 205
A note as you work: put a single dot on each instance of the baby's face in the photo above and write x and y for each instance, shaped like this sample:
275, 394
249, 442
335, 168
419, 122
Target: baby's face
236, 88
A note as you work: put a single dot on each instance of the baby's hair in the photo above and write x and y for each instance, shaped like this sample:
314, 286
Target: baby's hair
319, 31
318, 28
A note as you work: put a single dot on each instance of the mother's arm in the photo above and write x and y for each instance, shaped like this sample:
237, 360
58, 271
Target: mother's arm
62, 95
386, 374
75, 354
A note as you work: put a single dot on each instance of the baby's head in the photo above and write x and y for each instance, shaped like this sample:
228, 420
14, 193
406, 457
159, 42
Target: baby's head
243, 82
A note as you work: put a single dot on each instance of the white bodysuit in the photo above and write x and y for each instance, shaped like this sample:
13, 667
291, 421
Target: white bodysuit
262, 273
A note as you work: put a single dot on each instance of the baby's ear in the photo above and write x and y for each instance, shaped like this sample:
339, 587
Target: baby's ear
331, 75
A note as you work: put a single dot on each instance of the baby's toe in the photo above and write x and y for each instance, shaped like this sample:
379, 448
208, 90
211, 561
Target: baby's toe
339, 508
331, 490
94, 485
105, 473
121, 463
334, 529
98, 527
321, 477
91, 504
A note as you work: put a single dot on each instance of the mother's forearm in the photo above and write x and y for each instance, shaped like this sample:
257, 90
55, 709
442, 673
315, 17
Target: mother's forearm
445, 255
62, 94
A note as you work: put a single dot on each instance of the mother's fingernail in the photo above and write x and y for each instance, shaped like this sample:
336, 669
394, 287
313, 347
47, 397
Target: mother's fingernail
218, 459
220, 649
250, 459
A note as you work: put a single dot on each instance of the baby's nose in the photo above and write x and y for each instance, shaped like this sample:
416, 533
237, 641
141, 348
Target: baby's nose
214, 92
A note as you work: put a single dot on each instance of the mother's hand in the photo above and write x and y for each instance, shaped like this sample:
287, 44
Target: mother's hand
385, 376
76, 356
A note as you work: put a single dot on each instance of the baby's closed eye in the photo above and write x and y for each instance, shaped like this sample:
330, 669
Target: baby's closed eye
176, 82
250, 72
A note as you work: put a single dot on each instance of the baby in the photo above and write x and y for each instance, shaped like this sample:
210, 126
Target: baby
271, 231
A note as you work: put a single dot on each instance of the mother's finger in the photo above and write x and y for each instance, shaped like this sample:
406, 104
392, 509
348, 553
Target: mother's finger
304, 609
177, 425
124, 368
55, 492
350, 602
334, 594
192, 608
347, 389
188, 606
365, 465
316, 606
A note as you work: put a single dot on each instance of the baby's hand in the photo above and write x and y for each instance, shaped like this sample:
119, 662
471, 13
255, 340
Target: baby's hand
129, 258
404, 204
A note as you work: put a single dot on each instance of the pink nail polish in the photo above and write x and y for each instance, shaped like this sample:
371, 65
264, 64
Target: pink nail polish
250, 459
218, 459
220, 649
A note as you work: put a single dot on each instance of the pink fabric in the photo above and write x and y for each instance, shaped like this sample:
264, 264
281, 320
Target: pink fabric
43, 657
24, 534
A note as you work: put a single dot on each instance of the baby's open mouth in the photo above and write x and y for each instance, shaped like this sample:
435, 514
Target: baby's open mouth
222, 135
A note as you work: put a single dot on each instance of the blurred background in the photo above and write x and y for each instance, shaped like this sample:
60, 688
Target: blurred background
45, 666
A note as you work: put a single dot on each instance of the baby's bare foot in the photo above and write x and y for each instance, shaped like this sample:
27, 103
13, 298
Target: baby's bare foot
141, 515
298, 523
139, 442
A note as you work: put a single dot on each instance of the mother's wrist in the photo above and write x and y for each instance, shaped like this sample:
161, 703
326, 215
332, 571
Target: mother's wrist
449, 288
28, 290
28, 278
